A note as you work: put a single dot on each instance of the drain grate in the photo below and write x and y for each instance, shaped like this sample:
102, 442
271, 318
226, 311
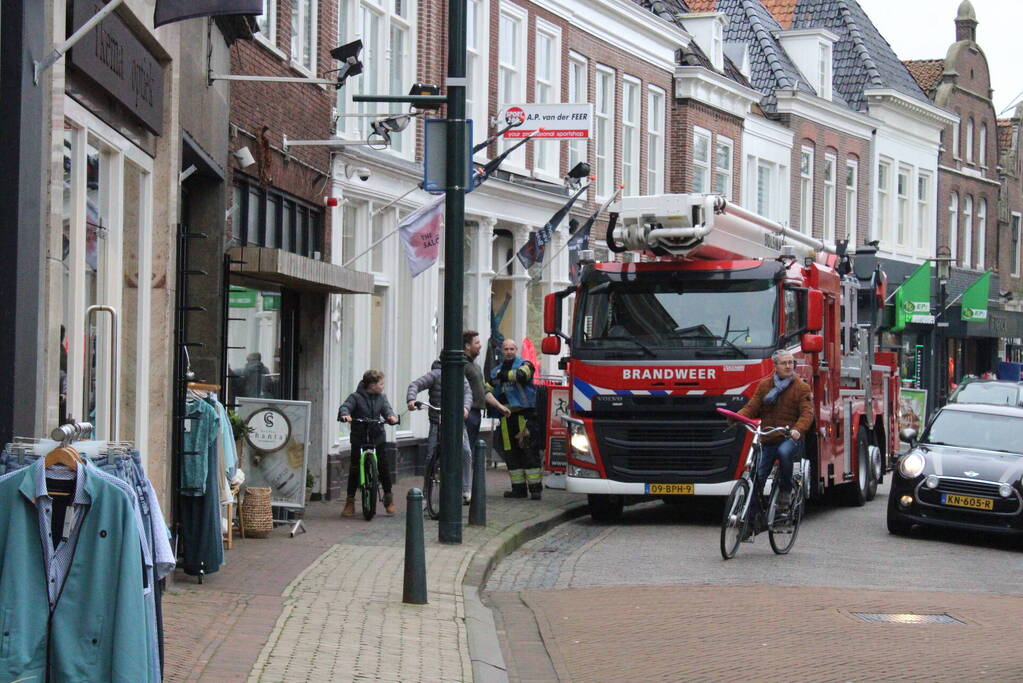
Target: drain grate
906, 618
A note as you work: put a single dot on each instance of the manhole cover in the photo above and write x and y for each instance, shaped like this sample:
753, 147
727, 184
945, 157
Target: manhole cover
906, 618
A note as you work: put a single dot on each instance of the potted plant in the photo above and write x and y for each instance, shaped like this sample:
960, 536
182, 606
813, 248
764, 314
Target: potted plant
238, 428
309, 483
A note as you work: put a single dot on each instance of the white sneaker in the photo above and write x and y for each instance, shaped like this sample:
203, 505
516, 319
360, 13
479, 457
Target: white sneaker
466, 498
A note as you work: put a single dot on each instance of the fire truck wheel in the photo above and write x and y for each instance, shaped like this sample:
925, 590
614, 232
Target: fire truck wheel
858, 492
605, 509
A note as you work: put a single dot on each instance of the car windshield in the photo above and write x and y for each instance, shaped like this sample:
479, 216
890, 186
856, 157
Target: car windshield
977, 430
992, 393
709, 318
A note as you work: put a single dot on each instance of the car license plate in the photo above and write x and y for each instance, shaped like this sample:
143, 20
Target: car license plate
968, 501
670, 489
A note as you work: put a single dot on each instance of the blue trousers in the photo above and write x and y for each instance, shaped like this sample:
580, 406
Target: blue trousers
784, 453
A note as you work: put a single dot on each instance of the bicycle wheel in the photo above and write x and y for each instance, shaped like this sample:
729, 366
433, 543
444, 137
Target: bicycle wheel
369, 489
782, 532
431, 487
734, 522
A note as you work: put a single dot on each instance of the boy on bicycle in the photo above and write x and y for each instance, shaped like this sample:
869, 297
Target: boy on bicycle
368, 402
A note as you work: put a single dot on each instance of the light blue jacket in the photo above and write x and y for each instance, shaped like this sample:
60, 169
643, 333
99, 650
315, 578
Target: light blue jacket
97, 631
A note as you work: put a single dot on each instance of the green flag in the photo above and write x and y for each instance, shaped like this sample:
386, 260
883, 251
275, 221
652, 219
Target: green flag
975, 299
913, 299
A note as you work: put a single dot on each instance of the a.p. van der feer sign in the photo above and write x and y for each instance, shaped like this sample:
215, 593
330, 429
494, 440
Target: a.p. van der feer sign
118, 62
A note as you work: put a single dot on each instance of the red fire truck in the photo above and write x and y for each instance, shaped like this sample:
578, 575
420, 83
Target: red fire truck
658, 343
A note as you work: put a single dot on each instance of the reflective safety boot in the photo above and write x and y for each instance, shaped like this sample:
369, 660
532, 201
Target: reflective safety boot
536, 490
517, 491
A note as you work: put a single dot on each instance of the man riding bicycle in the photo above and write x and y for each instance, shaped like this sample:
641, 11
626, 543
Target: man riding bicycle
780, 400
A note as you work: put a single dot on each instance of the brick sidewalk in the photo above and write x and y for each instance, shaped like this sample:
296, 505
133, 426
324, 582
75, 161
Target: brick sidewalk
718, 633
326, 605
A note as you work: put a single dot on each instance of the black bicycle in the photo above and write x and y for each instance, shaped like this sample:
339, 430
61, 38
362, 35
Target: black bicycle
431, 476
738, 524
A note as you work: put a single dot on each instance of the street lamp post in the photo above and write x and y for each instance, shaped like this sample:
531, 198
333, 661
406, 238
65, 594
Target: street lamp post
939, 362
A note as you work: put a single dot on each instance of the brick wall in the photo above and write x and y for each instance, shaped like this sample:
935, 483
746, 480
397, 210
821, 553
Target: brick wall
687, 113
269, 111
825, 140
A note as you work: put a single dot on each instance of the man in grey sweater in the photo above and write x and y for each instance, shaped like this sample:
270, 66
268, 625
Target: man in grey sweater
431, 382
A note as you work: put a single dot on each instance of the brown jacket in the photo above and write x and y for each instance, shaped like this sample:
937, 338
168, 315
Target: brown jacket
794, 408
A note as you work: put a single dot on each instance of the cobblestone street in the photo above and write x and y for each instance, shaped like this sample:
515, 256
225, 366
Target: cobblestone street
650, 598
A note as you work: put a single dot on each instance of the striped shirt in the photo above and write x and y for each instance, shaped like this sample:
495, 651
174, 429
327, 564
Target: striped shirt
58, 553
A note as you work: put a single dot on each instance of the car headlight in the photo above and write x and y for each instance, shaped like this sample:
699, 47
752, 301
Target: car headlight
912, 465
1005, 490
582, 472
581, 449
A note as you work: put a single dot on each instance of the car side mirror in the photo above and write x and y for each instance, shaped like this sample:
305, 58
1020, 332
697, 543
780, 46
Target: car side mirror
811, 343
551, 346
908, 435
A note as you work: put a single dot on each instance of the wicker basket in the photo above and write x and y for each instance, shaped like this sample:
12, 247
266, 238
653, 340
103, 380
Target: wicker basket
256, 513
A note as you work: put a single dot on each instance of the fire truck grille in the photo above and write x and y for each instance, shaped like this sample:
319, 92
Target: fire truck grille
693, 450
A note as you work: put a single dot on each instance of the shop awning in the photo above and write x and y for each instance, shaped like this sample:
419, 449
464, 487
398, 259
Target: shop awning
913, 299
298, 272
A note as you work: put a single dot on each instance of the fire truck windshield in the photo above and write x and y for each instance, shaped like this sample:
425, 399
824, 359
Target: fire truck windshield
677, 319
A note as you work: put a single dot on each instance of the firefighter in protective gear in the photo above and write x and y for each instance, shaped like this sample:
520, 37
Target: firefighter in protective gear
511, 383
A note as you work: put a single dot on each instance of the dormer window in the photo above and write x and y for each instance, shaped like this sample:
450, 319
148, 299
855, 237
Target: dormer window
812, 51
708, 30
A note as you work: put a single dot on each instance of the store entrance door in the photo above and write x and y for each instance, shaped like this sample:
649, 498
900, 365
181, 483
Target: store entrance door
262, 341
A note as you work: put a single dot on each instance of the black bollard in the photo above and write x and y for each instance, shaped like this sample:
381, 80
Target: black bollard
414, 592
478, 504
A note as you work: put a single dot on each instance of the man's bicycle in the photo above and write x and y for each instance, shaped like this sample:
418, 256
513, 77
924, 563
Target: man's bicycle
738, 523
431, 476
369, 471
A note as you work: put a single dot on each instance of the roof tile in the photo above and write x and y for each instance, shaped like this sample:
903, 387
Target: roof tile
783, 11
1004, 134
926, 72
702, 5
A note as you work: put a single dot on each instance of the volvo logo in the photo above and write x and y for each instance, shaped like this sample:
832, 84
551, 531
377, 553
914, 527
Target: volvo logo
970, 473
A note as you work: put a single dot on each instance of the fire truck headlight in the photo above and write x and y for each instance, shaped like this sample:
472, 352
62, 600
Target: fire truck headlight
581, 444
912, 465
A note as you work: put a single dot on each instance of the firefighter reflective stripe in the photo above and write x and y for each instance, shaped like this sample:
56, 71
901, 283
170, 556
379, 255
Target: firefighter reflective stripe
505, 437
522, 424
517, 476
534, 475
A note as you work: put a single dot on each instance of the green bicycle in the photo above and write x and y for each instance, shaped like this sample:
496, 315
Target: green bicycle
369, 471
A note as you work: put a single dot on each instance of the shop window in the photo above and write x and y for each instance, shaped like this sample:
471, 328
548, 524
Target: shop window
255, 341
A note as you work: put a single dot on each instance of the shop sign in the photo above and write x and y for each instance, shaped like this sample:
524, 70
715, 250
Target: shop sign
974, 308
913, 299
271, 301
557, 430
558, 121
912, 409
241, 297
269, 430
118, 62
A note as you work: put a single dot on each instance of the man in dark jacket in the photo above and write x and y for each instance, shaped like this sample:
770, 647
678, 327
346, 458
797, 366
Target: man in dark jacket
431, 382
781, 400
368, 401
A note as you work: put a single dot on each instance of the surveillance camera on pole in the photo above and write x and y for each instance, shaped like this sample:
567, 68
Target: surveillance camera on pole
348, 55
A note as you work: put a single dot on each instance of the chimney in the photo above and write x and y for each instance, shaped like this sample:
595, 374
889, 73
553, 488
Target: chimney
966, 22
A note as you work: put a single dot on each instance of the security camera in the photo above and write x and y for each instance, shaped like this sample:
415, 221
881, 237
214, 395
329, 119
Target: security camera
244, 157
362, 172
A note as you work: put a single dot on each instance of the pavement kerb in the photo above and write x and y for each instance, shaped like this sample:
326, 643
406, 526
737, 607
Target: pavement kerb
484, 647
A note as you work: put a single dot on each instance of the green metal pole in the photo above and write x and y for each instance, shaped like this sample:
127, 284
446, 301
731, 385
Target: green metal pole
452, 358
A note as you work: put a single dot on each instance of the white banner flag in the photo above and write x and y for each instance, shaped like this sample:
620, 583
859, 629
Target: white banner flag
420, 233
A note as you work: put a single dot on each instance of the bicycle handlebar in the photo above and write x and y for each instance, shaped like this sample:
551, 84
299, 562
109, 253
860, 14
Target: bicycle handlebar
373, 420
750, 424
420, 404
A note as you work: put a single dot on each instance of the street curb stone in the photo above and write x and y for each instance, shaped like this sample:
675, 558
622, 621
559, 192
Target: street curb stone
484, 646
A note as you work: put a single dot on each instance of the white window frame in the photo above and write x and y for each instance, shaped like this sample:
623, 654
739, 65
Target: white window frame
1016, 238
980, 256
548, 151
967, 231
852, 169
969, 140
516, 161
478, 57
724, 150
956, 134
577, 93
923, 210
117, 151
702, 135
903, 181
982, 145
630, 133
953, 224
806, 190
766, 207
267, 35
655, 140
884, 206
605, 77
298, 40
376, 78
824, 68
830, 196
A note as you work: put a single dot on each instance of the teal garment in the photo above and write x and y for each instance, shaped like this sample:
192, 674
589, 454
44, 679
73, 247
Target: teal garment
227, 438
201, 428
97, 630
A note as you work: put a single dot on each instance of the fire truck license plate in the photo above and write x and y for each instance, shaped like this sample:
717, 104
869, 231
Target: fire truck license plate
670, 489
968, 501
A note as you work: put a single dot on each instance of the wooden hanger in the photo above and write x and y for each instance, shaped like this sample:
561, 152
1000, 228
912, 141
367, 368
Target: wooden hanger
201, 386
64, 455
